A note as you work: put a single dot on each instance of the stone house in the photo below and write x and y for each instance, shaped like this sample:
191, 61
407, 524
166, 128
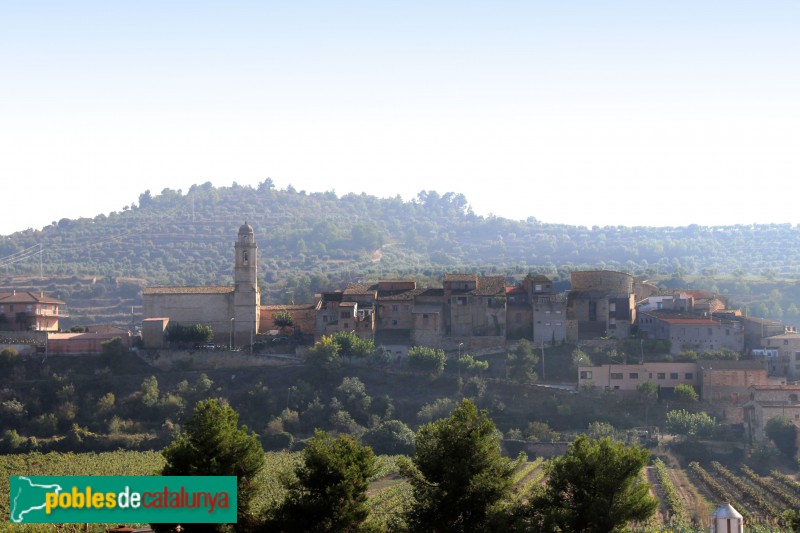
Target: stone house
691, 332
304, 317
603, 303
475, 306
428, 312
788, 347
758, 329
767, 402
334, 314
727, 382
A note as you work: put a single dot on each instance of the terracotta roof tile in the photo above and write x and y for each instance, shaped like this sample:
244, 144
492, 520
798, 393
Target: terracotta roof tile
491, 286
27, 297
361, 288
460, 277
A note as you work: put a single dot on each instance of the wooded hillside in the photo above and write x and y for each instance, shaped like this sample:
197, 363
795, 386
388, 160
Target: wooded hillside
318, 241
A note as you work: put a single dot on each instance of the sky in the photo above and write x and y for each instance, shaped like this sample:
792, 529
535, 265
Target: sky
624, 112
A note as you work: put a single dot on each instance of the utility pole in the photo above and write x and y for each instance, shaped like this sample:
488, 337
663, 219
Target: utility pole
543, 374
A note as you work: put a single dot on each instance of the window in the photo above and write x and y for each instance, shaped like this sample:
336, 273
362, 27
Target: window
395, 308
245, 257
796, 354
616, 375
793, 398
673, 375
688, 375
785, 341
558, 312
633, 375
547, 312
344, 314
405, 308
547, 323
662, 375
586, 374
709, 332
558, 323
537, 287
394, 322
346, 325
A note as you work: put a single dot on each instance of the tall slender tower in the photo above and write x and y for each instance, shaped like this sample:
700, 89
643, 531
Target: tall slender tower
246, 297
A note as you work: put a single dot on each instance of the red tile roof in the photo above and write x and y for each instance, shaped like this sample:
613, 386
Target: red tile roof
27, 297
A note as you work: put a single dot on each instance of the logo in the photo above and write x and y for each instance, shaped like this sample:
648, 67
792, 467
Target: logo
106, 499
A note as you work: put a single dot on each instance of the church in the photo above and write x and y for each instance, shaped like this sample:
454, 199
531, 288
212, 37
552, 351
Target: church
233, 312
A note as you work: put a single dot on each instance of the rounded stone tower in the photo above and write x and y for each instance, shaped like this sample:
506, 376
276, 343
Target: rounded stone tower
246, 297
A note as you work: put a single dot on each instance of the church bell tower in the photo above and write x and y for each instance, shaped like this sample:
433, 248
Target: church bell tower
246, 297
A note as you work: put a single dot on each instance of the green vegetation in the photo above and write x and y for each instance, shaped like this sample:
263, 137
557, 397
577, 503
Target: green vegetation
693, 425
214, 445
426, 359
183, 238
457, 474
329, 493
781, 430
594, 487
685, 393
521, 362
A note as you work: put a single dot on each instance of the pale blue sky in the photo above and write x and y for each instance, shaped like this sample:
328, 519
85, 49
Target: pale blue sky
627, 112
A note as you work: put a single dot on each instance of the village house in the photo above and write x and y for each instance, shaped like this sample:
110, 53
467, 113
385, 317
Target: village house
691, 332
603, 303
725, 383
550, 323
304, 318
428, 311
83, 343
787, 362
666, 375
30, 311
767, 402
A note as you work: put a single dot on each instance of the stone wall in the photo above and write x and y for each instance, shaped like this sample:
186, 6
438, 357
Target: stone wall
211, 360
602, 280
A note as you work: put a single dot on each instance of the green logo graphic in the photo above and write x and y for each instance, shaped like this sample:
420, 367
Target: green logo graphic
106, 499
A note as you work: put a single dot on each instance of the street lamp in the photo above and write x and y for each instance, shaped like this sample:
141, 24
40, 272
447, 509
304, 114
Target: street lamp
230, 344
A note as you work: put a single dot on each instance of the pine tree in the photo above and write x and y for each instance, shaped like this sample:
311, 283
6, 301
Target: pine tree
458, 474
330, 492
594, 488
214, 445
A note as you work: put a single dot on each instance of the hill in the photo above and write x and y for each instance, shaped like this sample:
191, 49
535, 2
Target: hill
319, 241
